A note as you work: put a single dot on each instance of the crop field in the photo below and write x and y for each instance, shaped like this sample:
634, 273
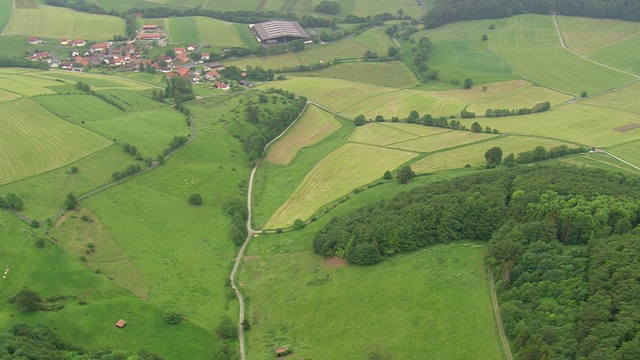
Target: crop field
578, 124
150, 131
266, 62
522, 97
10, 83
8, 96
345, 169
373, 7
389, 74
204, 30
49, 271
437, 296
442, 141
6, 10
587, 35
402, 102
96, 81
312, 128
474, 154
415, 129
43, 194
57, 22
619, 100
380, 134
34, 141
462, 31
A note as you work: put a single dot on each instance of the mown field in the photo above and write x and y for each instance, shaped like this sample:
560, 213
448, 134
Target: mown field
57, 22
387, 74
6, 10
35, 141
441, 141
437, 296
310, 129
202, 30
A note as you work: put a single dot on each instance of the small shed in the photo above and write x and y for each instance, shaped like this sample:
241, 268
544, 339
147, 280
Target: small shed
121, 323
283, 351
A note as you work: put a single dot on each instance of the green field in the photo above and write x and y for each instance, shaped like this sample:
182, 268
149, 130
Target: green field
441, 141
388, 74
402, 102
35, 141
6, 10
628, 151
618, 100
474, 154
57, 22
96, 81
310, 129
379, 134
375, 40
266, 62
13, 84
437, 296
202, 30
347, 168
588, 36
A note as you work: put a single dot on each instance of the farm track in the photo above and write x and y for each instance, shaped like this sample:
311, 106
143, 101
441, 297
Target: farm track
250, 234
496, 311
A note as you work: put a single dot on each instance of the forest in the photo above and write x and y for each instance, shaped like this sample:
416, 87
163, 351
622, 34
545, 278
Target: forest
562, 243
448, 11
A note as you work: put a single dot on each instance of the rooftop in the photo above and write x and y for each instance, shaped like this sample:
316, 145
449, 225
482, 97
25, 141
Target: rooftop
274, 29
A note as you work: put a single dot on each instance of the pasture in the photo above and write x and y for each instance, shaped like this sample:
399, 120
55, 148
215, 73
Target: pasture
575, 123
402, 102
507, 97
266, 62
473, 154
202, 30
441, 141
345, 169
618, 100
345, 49
78, 108
96, 81
314, 126
587, 36
380, 134
6, 10
628, 151
35, 141
8, 96
58, 22
49, 271
375, 40
12, 84
437, 296
388, 74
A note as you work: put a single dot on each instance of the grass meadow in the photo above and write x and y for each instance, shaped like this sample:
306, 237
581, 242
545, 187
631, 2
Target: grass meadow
441, 141
96, 81
11, 84
628, 151
349, 167
202, 30
375, 40
314, 126
35, 141
618, 100
380, 134
321, 307
57, 22
49, 271
281, 61
388, 74
588, 36
402, 102
6, 10
473, 154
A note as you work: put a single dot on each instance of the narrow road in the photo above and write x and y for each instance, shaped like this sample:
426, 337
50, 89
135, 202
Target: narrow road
250, 234
496, 312
425, 10
617, 158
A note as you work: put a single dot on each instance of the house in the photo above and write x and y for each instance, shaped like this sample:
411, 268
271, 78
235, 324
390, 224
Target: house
75, 53
149, 36
191, 48
164, 58
183, 72
81, 60
78, 43
285, 350
35, 41
66, 65
183, 58
212, 75
121, 323
222, 86
204, 56
178, 51
149, 27
64, 41
99, 47
44, 55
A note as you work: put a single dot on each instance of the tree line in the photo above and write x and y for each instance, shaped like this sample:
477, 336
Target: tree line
539, 107
448, 11
6, 61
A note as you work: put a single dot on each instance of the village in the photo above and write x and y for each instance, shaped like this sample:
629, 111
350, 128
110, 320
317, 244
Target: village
136, 56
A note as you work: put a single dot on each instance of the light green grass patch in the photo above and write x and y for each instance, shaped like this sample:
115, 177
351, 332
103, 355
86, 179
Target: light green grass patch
526, 31
437, 296
266, 62
8, 96
345, 169
462, 31
442, 141
203, 30
375, 40
78, 108
619, 99
379, 134
623, 55
586, 35
474, 153
57, 22
343, 49
415, 129
575, 123
314, 126
628, 151
150, 131
96, 81
9, 83
389, 74
44, 194
34, 141
6, 10
496, 97
374, 7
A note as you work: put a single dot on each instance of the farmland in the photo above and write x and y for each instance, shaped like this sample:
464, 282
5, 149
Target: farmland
6, 10
388, 74
312, 128
34, 141
209, 31
56, 22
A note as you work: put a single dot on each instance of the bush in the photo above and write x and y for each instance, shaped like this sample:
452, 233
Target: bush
26, 300
35, 224
39, 243
387, 175
195, 199
172, 318
227, 329
299, 224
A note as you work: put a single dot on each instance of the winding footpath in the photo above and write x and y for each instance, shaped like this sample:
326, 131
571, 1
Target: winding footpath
250, 234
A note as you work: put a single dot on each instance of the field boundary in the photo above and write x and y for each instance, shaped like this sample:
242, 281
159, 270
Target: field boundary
13, 11
496, 311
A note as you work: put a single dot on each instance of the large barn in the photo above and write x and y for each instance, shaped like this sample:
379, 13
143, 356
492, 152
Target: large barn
276, 31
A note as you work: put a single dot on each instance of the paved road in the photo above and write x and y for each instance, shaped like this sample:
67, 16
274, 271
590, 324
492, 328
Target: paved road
250, 234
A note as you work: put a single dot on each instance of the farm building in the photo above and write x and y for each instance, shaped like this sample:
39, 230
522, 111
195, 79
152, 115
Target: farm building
277, 31
121, 323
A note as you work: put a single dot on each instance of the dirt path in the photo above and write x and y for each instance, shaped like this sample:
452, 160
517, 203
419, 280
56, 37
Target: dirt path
496, 311
250, 234
425, 9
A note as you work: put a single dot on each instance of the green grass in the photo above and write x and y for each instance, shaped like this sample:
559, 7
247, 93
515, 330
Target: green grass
78, 108
44, 194
8, 96
96, 81
13, 84
586, 35
379, 134
49, 271
623, 55
6, 10
204, 30
441, 141
628, 151
349, 167
17, 45
281, 61
618, 100
375, 40
462, 31
402, 102
314, 126
35, 141
437, 296
388, 74
57, 22
344, 49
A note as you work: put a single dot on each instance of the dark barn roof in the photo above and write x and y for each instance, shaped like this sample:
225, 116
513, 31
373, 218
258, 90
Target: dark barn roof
273, 30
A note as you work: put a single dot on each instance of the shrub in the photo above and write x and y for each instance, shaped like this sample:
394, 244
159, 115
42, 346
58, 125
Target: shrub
172, 318
195, 199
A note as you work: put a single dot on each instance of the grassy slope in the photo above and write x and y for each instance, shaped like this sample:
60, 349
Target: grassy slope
198, 29
6, 10
441, 141
34, 141
49, 271
56, 22
389, 74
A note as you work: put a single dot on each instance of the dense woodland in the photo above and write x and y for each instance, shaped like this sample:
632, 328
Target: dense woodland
563, 242
448, 11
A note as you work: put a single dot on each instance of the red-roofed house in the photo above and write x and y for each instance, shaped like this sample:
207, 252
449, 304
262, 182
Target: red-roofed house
222, 86
178, 51
35, 41
184, 72
150, 36
149, 27
81, 60
212, 75
191, 47
64, 41
66, 65
41, 56
205, 56
121, 323
183, 58
99, 47
78, 42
